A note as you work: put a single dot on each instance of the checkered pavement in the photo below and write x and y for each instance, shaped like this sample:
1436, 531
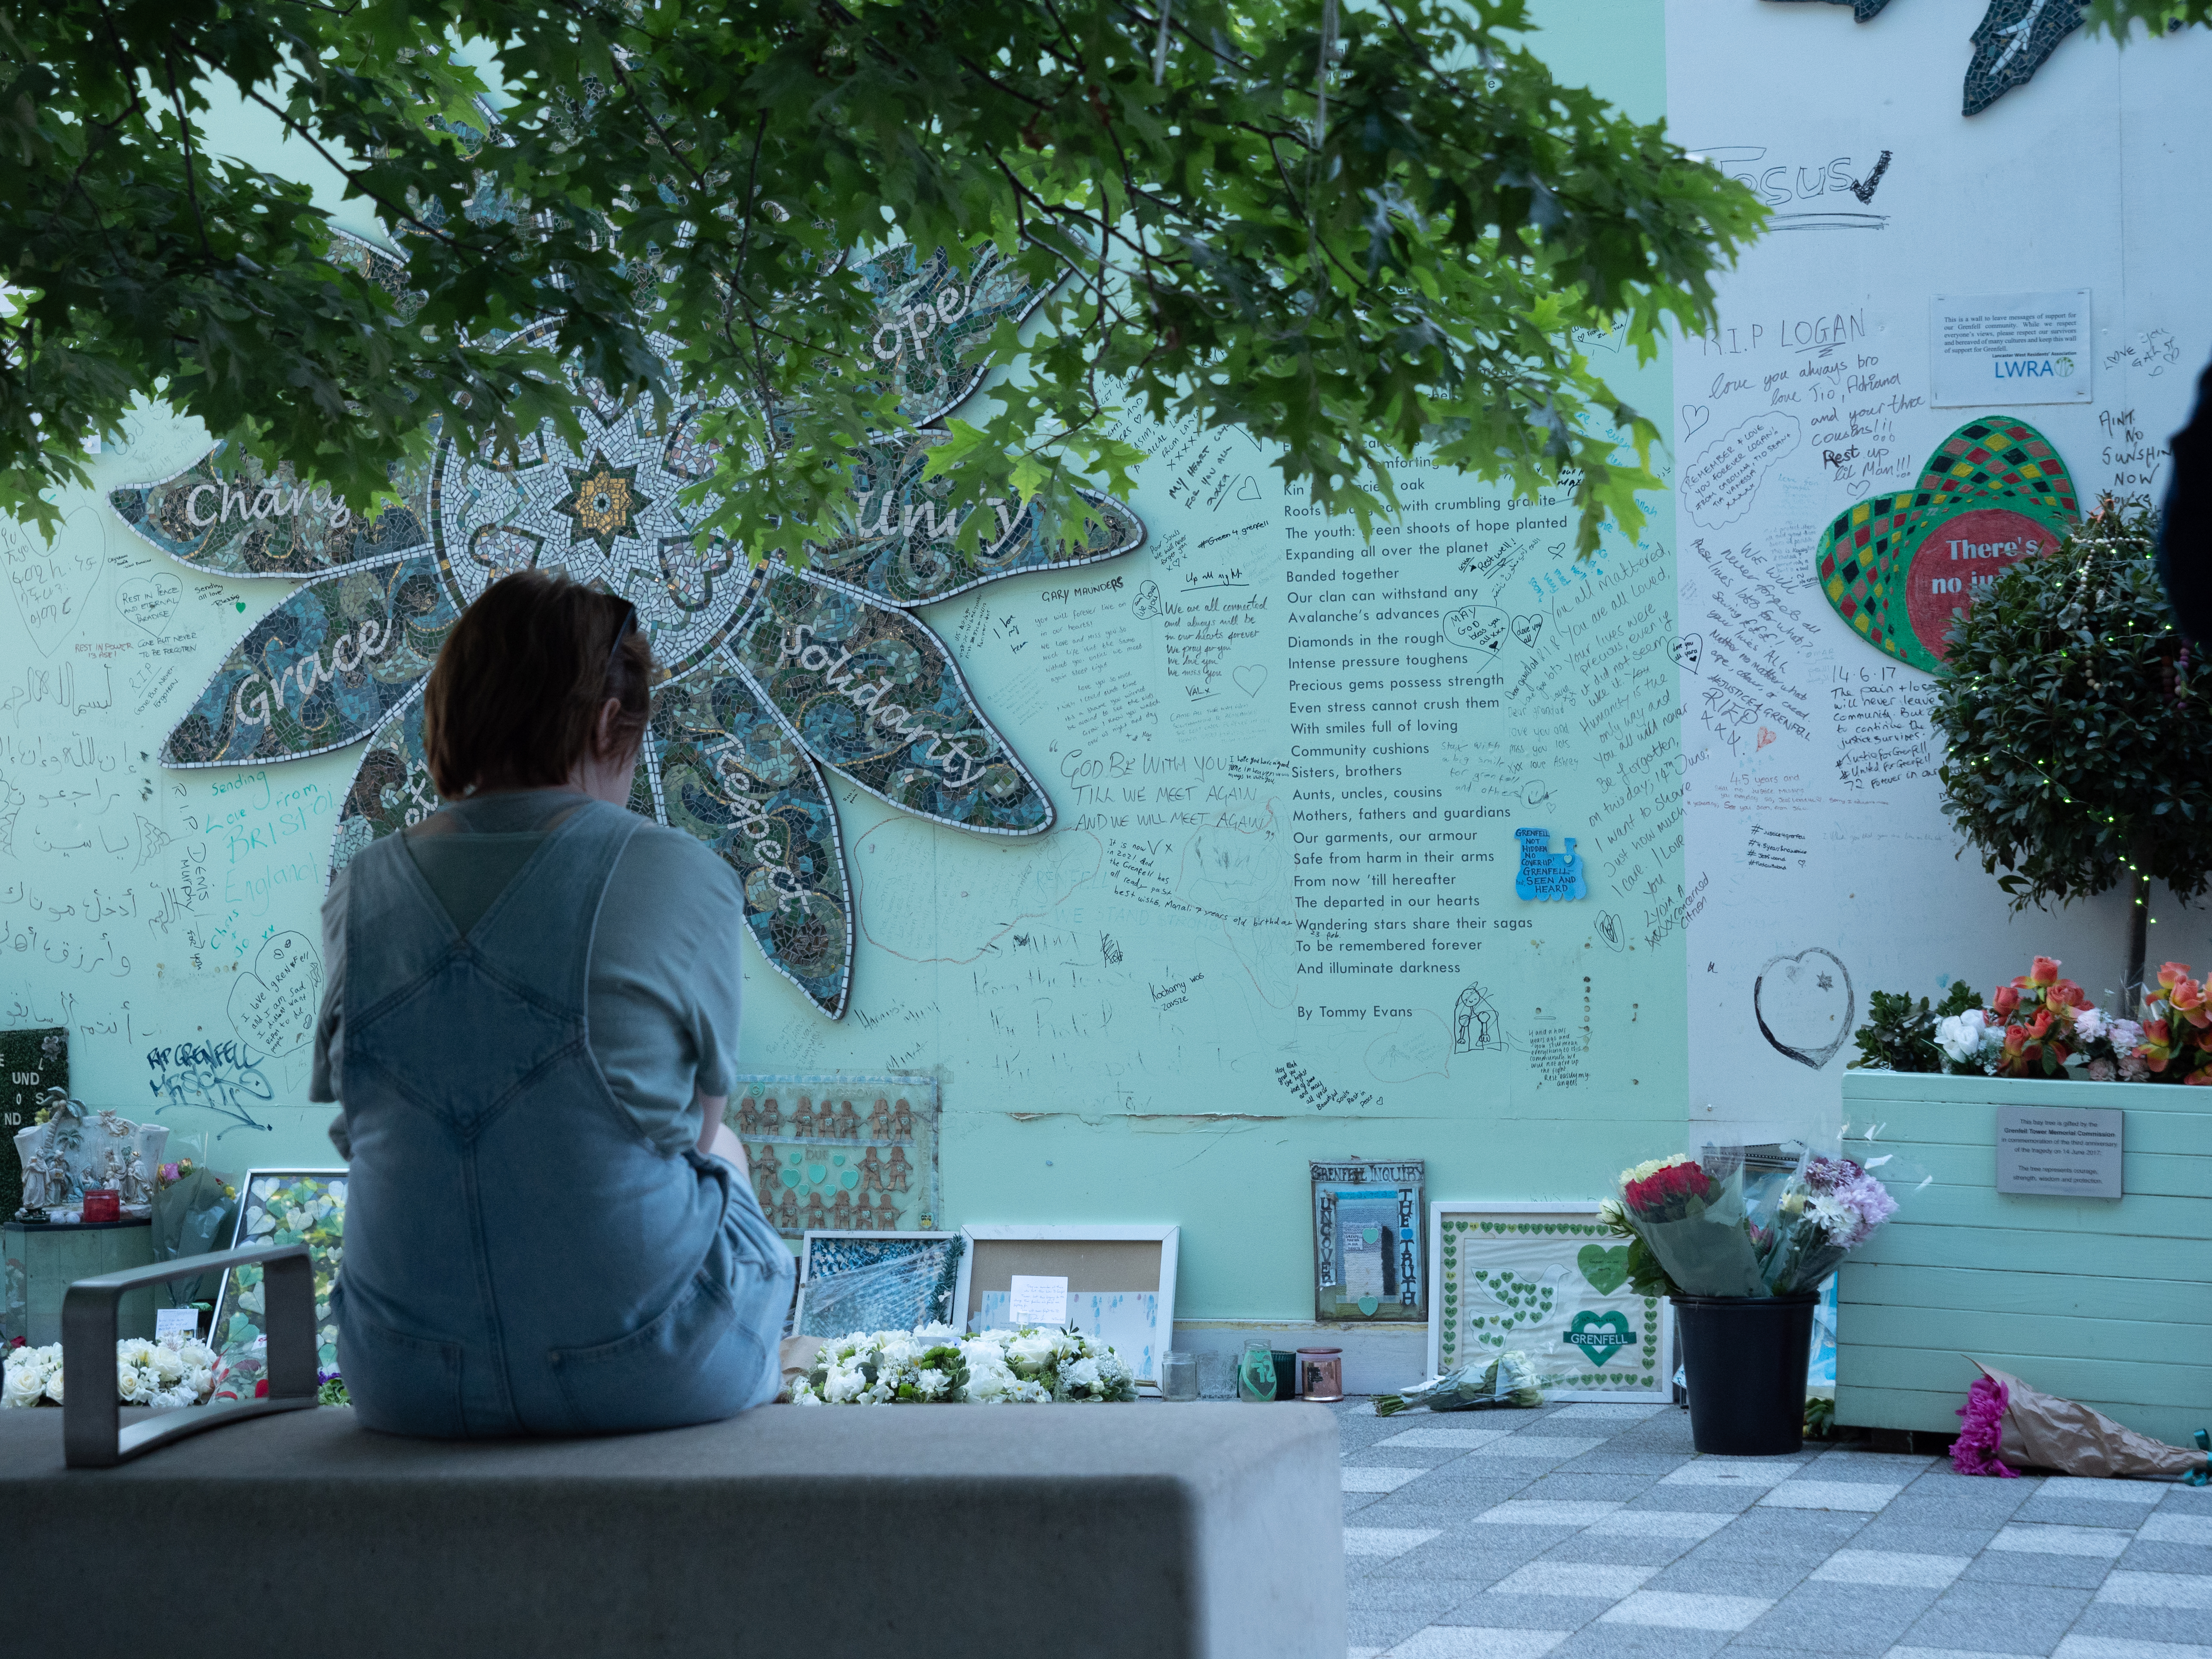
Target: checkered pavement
1595, 1532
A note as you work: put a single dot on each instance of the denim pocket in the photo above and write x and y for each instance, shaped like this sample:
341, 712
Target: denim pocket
693, 1363
401, 1384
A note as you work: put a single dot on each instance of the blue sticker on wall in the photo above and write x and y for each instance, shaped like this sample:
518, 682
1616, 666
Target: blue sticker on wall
1544, 874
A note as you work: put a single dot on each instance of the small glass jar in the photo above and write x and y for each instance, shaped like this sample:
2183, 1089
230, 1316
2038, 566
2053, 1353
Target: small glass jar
1178, 1377
1255, 1373
1321, 1375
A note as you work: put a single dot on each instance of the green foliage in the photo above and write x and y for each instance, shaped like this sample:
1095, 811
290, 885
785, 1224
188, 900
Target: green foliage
1820, 1417
2118, 17
1899, 1034
2079, 752
1425, 260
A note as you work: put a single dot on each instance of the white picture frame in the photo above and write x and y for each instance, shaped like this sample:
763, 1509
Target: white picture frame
1092, 1256
1550, 1236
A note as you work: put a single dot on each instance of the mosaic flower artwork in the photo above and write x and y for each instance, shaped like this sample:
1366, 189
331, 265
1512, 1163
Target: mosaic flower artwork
779, 675
1899, 567
2013, 39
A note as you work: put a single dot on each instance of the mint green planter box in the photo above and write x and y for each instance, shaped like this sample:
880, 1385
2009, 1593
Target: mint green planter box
43, 1262
2100, 1300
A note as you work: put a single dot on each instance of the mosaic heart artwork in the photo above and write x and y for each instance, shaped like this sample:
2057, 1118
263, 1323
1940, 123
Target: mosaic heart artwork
1901, 567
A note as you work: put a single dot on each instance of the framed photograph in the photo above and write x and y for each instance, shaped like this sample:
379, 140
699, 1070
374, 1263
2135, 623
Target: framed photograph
1117, 1282
1370, 1265
1550, 1280
283, 1206
872, 1281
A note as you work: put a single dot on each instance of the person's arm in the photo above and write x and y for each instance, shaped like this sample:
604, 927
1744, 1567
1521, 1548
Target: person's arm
715, 1140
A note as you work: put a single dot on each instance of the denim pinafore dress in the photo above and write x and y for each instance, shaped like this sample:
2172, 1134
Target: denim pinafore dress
519, 1258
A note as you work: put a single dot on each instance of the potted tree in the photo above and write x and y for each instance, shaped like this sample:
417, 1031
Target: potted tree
2080, 761
2080, 754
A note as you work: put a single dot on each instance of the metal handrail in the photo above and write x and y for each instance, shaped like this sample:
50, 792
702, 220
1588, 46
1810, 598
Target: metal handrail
93, 1436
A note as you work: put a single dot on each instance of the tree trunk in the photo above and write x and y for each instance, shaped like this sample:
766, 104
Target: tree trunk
2138, 944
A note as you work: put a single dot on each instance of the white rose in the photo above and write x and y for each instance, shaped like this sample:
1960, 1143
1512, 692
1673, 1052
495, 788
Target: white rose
1037, 1351
2090, 1023
1960, 1035
1083, 1374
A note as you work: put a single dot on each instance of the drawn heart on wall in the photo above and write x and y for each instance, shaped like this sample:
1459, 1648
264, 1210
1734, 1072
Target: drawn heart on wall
1478, 627
51, 582
1689, 651
1805, 1005
1249, 677
273, 1008
1610, 930
147, 603
1528, 629
1605, 1269
1694, 415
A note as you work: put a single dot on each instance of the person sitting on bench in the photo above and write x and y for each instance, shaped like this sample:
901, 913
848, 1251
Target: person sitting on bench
530, 1017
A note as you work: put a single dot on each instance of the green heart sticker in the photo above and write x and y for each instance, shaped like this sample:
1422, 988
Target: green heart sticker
1600, 1336
1368, 1305
1606, 1270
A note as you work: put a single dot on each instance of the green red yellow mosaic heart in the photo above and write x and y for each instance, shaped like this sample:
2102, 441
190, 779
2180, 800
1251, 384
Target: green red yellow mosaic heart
1901, 567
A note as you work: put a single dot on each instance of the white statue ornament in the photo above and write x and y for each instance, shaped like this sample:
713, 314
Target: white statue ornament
71, 1148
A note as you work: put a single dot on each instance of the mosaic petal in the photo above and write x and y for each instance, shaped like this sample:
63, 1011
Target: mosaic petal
898, 539
875, 695
2012, 40
241, 521
726, 769
322, 668
391, 786
933, 321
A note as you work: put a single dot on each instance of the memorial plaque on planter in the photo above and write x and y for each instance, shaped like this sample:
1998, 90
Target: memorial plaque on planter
2060, 1152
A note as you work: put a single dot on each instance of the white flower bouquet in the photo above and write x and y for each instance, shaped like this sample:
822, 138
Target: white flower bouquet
937, 1365
178, 1371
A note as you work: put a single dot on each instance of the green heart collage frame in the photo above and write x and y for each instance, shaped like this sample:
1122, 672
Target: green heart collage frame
1550, 1280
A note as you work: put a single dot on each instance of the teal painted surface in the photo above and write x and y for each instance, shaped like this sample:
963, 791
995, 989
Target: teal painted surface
1134, 1018
2102, 1301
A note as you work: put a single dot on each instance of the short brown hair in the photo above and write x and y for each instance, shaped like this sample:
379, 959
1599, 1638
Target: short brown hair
514, 700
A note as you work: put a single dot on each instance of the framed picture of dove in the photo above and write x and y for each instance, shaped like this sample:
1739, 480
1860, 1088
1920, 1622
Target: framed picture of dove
1550, 1281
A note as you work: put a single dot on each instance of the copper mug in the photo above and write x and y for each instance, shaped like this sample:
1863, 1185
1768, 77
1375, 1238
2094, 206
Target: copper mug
1321, 1375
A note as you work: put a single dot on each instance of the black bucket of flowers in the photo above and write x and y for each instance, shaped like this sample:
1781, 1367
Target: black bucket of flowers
1741, 1248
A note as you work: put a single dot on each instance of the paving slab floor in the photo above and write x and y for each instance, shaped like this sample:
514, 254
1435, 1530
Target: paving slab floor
1595, 1532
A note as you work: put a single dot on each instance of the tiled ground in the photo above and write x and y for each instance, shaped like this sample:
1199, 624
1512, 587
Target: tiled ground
1594, 1532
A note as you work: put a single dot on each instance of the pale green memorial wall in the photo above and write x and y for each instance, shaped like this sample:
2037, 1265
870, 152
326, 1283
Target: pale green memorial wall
1276, 922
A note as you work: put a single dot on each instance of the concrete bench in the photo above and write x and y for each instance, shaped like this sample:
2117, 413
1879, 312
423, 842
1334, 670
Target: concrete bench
896, 1532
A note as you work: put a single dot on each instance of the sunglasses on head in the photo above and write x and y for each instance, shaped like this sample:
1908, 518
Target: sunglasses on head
621, 632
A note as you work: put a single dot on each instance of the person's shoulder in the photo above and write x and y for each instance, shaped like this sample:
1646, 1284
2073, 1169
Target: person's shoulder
682, 864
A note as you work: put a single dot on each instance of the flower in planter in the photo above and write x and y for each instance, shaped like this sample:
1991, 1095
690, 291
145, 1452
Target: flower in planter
1969, 1041
2174, 1043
